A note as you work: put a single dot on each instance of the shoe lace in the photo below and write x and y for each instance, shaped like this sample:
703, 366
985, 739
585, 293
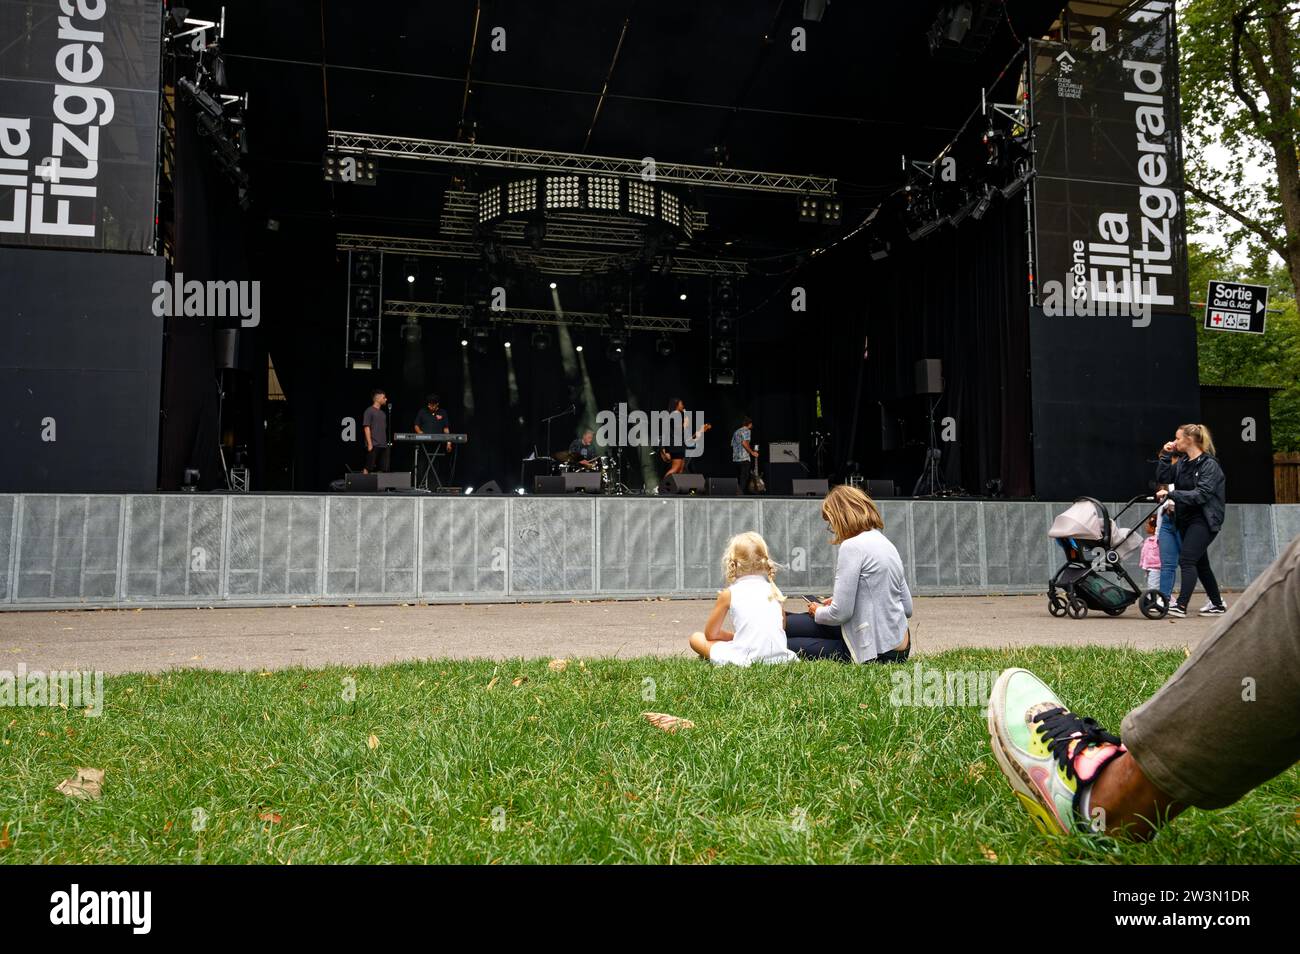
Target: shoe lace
1061, 728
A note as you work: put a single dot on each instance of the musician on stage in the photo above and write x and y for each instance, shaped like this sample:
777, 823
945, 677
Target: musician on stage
374, 427
675, 454
432, 419
582, 452
743, 454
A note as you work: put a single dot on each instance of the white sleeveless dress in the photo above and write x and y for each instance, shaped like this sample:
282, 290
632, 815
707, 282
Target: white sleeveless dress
756, 621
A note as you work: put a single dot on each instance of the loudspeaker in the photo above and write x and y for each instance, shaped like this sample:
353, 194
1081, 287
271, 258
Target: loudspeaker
548, 484
724, 486
582, 483
374, 483
879, 488
227, 348
692, 484
810, 487
929, 376
491, 487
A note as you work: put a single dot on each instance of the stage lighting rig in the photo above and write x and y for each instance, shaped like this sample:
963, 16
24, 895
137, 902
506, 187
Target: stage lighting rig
962, 30
357, 170
664, 346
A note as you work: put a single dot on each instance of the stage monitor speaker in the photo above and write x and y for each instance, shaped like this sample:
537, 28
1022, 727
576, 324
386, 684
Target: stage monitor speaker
929, 376
375, 483
491, 487
548, 484
879, 488
582, 483
227, 348
692, 484
724, 486
812, 487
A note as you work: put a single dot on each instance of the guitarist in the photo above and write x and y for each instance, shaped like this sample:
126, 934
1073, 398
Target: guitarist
679, 420
743, 453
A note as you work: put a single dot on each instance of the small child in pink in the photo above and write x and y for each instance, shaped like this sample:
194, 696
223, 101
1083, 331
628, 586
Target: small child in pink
1150, 558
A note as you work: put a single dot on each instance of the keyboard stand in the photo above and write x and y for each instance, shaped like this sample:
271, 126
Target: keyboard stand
428, 453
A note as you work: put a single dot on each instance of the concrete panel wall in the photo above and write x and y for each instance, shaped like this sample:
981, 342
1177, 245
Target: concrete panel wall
179, 549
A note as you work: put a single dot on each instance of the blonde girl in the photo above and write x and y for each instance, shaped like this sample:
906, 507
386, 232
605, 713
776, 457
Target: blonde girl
754, 602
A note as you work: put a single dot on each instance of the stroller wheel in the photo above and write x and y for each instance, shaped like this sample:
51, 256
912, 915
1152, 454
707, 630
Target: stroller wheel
1056, 606
1078, 609
1153, 604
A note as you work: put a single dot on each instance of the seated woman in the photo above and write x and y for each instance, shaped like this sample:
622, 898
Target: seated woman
754, 602
866, 618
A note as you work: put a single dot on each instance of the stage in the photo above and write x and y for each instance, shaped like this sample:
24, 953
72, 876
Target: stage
197, 550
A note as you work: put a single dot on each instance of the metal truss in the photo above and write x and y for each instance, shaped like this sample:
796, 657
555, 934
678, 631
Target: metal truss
534, 316
548, 261
539, 160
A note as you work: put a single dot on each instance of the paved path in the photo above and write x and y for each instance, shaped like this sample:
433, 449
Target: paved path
230, 638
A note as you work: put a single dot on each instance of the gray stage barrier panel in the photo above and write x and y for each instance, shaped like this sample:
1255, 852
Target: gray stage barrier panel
69, 550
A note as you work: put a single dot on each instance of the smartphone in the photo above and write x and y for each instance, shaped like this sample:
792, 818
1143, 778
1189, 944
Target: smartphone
811, 599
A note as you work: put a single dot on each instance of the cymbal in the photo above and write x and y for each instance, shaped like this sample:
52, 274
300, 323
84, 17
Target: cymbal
562, 456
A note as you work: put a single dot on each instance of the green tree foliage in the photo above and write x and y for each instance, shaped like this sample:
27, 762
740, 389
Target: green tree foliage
1239, 64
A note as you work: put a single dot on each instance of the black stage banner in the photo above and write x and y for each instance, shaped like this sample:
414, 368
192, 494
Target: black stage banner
79, 123
1110, 230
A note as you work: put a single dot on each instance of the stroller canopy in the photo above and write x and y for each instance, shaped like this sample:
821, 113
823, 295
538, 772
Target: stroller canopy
1086, 522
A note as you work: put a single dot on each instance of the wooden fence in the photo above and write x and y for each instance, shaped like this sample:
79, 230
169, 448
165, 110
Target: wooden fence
1286, 478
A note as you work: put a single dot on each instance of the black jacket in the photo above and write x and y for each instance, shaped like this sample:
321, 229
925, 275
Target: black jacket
1200, 487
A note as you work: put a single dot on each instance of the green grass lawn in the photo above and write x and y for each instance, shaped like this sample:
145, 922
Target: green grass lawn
801, 763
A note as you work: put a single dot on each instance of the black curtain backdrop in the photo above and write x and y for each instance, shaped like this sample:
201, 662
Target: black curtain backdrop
210, 244
957, 295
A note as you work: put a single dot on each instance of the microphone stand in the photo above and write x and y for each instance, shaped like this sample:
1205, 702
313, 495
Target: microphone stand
569, 410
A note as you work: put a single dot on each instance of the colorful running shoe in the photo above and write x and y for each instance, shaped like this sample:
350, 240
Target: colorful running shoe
1048, 753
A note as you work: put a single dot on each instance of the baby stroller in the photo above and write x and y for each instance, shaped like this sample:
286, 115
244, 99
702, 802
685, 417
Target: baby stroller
1097, 579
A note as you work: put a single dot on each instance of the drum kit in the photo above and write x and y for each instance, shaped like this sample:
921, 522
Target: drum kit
609, 466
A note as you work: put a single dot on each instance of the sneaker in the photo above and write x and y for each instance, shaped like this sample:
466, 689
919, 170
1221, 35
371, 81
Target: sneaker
1213, 609
1048, 754
1176, 610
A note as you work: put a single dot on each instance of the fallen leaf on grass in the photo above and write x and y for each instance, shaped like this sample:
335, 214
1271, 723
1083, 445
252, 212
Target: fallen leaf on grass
988, 853
5, 843
268, 816
519, 682
495, 680
558, 665
87, 783
669, 723
372, 742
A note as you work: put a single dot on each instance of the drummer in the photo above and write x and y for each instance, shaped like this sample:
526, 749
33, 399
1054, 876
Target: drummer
582, 452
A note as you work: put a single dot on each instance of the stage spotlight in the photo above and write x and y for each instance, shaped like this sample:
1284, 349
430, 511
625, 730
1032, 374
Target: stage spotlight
722, 324
411, 333
507, 344
411, 269
614, 347
722, 354
541, 340
553, 286
983, 204
464, 342
809, 209
664, 347
578, 349
832, 211
682, 296
924, 229
1015, 185
965, 209
814, 10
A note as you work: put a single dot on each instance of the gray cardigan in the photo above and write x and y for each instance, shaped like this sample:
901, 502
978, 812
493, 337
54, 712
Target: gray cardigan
871, 602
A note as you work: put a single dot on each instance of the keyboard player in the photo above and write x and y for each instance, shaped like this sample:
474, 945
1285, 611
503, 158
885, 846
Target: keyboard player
432, 419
